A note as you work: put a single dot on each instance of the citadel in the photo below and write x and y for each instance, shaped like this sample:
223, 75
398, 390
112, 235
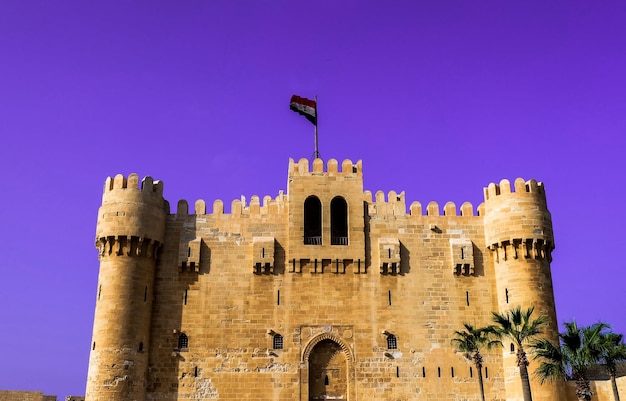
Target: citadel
324, 292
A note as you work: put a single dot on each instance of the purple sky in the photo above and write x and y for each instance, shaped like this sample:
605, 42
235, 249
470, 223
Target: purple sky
437, 98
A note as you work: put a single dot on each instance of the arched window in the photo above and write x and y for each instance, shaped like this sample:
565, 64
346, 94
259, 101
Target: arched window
312, 221
277, 343
392, 342
183, 341
338, 221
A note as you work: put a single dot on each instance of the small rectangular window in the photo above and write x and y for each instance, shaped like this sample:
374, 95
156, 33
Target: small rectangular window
183, 341
145, 294
486, 373
397, 371
389, 297
452, 371
277, 341
506, 292
467, 298
185, 298
423, 371
392, 342
278, 297
438, 371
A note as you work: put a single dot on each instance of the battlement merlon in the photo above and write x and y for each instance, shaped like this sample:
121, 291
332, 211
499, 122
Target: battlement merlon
517, 216
132, 210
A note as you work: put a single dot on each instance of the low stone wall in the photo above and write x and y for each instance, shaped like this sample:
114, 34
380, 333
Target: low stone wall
15, 395
602, 389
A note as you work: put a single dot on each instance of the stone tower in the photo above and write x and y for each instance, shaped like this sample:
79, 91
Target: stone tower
130, 230
518, 232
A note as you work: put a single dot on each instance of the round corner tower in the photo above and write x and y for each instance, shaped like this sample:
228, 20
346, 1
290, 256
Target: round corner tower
518, 231
130, 230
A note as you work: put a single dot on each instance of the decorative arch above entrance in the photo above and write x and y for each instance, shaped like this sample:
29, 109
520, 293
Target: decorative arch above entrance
327, 363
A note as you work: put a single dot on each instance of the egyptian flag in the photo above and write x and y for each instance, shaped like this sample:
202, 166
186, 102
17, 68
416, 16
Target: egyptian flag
304, 106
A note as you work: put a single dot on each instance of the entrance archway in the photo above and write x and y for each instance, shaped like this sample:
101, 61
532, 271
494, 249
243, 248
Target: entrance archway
328, 372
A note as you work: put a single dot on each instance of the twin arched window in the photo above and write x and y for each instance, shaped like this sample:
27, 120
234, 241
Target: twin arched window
313, 221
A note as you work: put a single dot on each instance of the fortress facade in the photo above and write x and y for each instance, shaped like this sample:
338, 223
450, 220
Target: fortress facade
324, 292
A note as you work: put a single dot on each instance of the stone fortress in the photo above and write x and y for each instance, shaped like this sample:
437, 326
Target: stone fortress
325, 292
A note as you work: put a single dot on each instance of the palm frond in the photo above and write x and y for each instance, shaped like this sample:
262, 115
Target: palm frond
613, 350
518, 325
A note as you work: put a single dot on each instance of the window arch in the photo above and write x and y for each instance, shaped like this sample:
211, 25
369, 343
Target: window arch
312, 221
183, 341
392, 342
277, 342
338, 221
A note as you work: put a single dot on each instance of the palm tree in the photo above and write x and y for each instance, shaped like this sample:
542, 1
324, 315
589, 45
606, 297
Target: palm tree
519, 326
613, 351
470, 341
579, 348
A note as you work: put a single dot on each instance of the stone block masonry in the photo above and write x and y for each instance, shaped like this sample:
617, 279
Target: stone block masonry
15, 395
324, 292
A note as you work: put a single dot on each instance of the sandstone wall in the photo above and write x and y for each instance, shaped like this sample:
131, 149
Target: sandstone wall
364, 313
14, 395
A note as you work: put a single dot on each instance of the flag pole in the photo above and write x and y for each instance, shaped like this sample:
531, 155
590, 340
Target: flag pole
316, 155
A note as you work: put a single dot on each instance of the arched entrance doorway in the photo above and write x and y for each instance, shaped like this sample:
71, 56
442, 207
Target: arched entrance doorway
328, 372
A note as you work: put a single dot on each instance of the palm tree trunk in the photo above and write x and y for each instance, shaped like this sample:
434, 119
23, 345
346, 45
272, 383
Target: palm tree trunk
479, 368
614, 385
523, 372
583, 389
522, 362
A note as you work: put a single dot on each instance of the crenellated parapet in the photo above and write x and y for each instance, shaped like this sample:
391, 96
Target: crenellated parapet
302, 168
517, 221
256, 207
393, 205
131, 219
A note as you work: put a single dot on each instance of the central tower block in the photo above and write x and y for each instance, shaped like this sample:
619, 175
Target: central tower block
326, 213
130, 230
